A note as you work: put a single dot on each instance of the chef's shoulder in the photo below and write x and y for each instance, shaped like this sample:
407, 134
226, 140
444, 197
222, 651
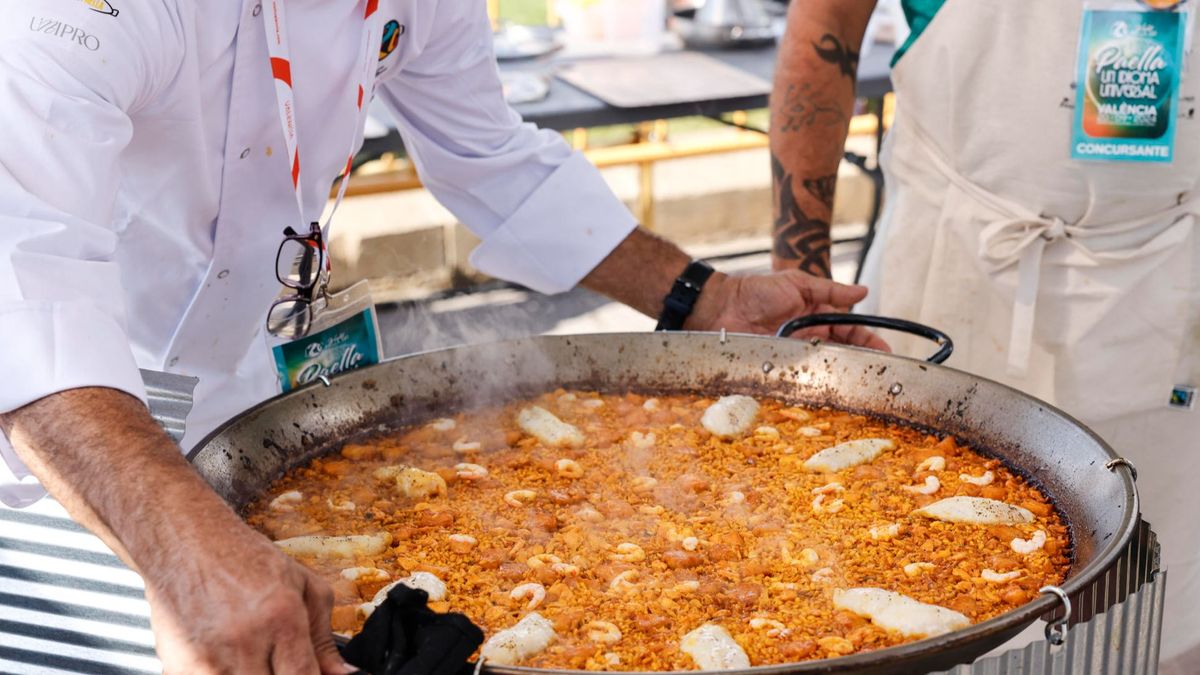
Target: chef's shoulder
120, 50
433, 36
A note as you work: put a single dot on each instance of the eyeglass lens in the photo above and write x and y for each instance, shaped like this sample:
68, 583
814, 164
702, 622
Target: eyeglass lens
298, 264
290, 318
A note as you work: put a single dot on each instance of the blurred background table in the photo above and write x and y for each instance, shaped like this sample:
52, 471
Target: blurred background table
567, 107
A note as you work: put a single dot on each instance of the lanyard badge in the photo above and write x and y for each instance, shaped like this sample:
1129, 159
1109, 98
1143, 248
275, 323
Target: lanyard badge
1129, 68
312, 334
343, 336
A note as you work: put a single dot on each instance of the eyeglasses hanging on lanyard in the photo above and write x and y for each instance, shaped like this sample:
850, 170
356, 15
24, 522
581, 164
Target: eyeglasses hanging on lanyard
302, 262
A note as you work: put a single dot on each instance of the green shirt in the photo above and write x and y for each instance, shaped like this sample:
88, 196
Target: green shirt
919, 13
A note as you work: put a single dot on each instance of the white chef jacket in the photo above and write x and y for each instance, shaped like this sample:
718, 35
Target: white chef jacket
144, 184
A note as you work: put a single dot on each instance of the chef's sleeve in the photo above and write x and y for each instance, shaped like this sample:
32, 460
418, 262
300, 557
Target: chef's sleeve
72, 79
544, 213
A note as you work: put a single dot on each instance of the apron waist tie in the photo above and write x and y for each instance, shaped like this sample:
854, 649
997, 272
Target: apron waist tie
1020, 237
1022, 241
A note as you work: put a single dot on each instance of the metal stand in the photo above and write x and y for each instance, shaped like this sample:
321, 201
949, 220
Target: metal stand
1114, 625
170, 399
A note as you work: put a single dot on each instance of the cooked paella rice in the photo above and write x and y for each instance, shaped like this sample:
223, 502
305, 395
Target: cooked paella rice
626, 532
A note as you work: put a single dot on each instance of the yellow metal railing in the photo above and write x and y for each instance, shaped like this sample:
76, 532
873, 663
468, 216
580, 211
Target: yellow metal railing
644, 155
652, 146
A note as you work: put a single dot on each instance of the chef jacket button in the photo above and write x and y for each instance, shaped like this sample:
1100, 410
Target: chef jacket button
245, 153
257, 10
222, 274
172, 362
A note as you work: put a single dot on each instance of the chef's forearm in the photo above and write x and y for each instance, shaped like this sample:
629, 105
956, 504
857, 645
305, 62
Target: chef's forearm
641, 271
811, 106
101, 455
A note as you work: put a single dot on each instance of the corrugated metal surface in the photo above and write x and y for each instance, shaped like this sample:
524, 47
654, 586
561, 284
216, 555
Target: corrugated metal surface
1122, 636
170, 398
68, 605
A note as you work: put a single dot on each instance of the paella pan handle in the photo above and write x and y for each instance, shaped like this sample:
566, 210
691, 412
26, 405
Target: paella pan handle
946, 345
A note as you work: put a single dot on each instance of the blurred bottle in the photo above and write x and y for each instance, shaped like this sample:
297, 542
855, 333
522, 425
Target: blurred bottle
620, 26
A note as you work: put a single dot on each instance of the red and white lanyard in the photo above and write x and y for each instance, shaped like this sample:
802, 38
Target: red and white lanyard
275, 25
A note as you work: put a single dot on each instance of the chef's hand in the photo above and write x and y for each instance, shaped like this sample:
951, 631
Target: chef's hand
243, 607
641, 270
223, 599
763, 303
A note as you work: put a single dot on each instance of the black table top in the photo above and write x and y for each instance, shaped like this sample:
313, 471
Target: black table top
567, 107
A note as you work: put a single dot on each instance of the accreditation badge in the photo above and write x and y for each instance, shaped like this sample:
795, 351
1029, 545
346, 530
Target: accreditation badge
344, 336
1129, 68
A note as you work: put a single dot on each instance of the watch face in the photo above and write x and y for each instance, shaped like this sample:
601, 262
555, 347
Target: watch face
1162, 4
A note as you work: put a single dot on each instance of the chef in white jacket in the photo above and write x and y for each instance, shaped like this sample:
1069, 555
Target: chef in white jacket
1041, 203
152, 152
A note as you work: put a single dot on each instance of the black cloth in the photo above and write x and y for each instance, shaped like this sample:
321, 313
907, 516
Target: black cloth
404, 637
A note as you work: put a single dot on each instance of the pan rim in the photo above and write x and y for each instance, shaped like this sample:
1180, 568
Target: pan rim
1012, 621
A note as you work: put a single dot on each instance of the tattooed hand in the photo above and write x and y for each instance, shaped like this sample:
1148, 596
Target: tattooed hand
799, 238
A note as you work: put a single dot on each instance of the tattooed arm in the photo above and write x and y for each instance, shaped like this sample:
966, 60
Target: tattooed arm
811, 106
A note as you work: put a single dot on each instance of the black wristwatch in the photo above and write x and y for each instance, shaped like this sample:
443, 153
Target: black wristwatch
678, 304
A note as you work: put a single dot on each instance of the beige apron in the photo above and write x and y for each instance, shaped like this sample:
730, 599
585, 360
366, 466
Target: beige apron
1074, 281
